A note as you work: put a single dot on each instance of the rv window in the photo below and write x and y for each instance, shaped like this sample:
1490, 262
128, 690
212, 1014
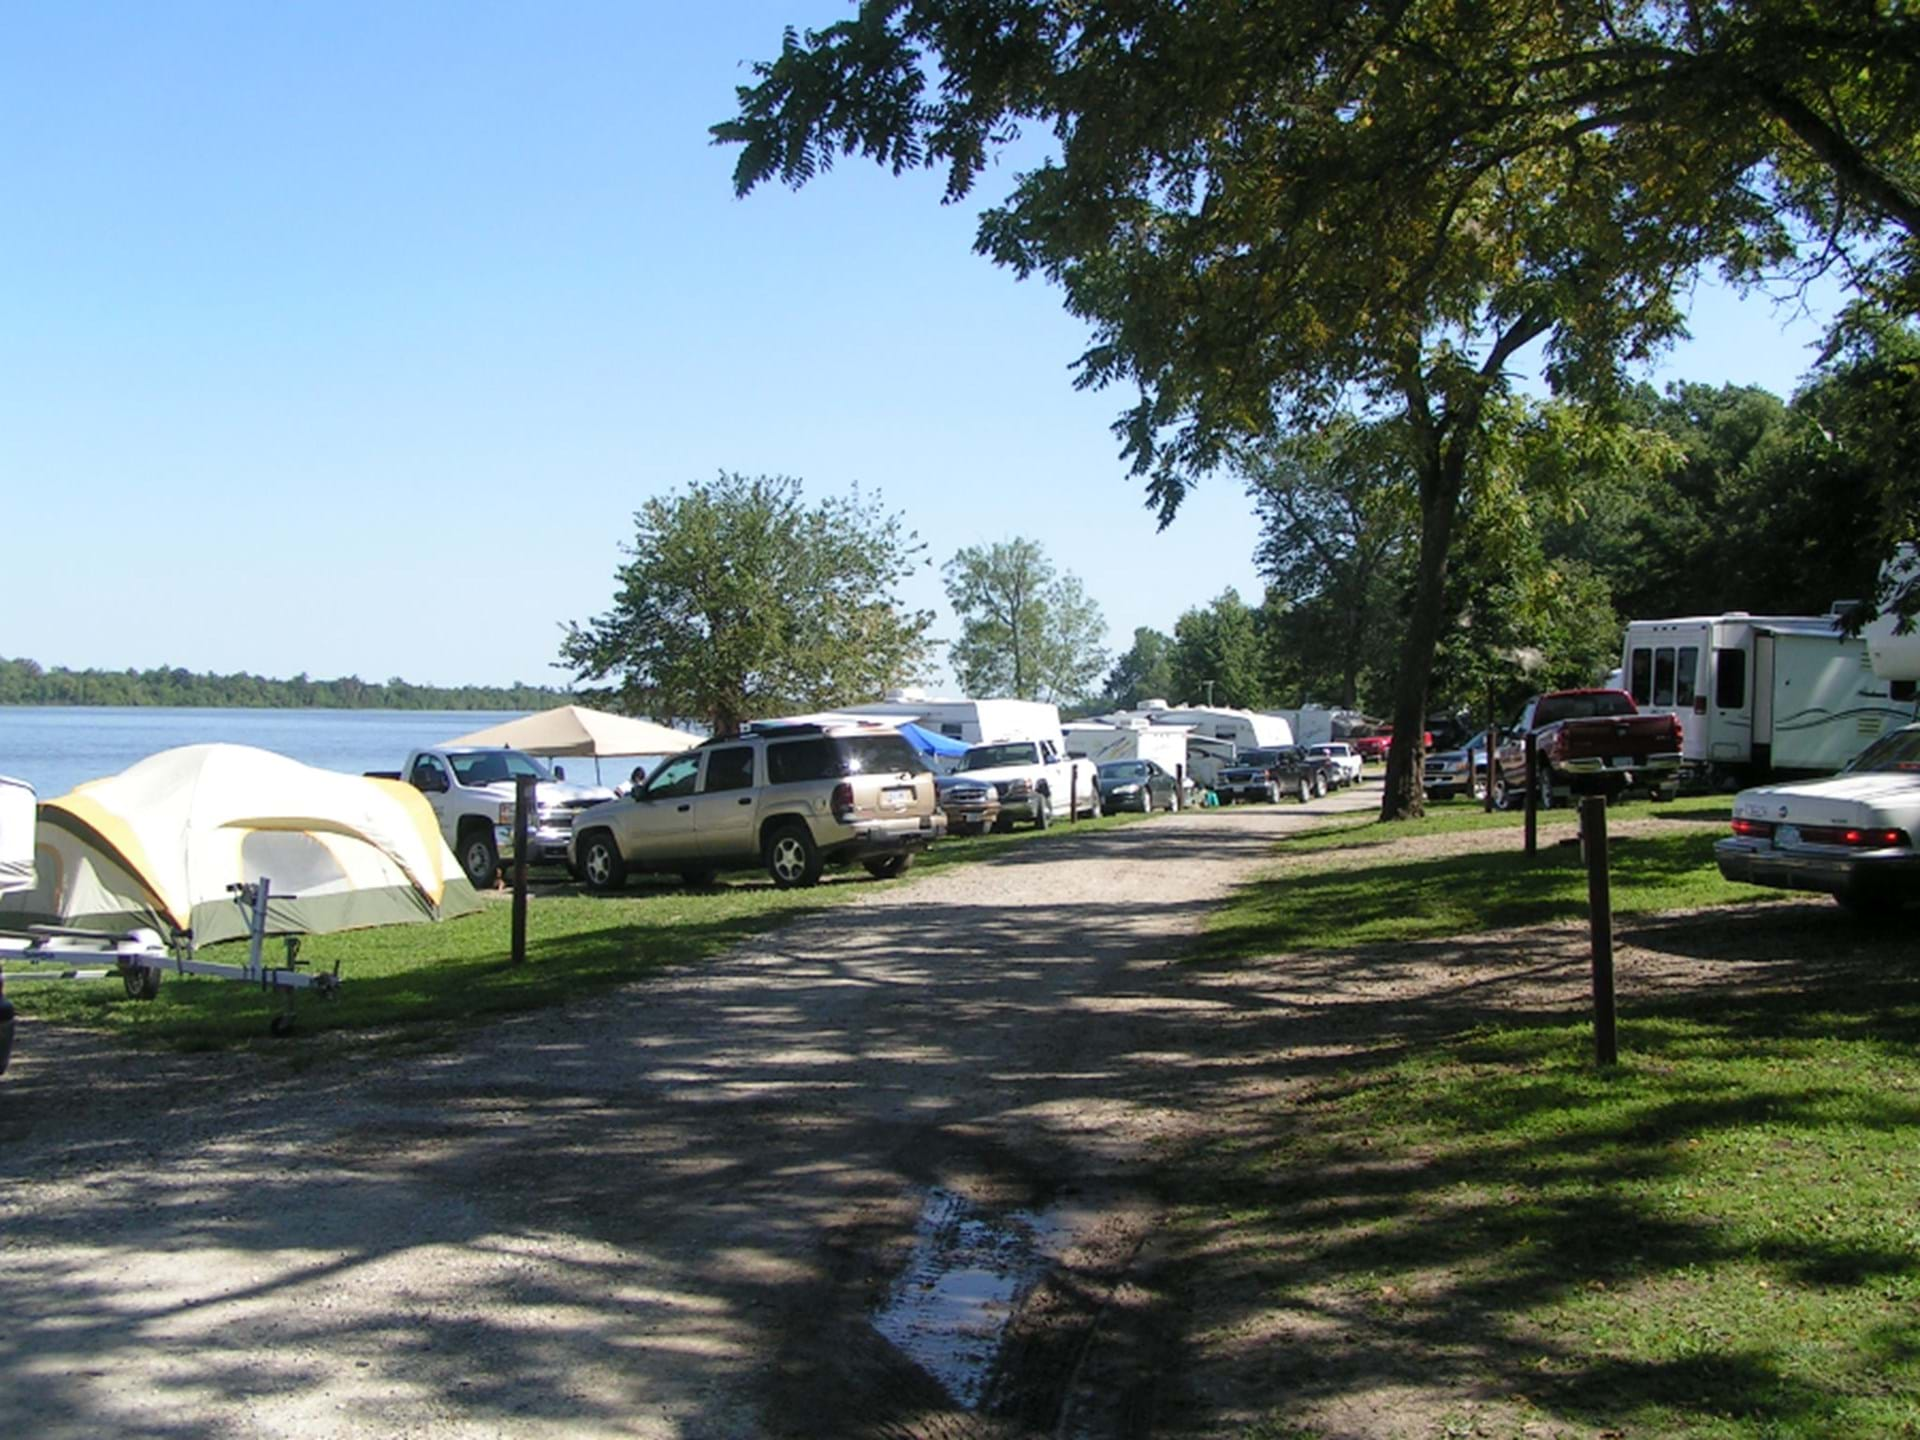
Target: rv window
1640, 672
952, 732
1663, 676
1730, 679
1688, 675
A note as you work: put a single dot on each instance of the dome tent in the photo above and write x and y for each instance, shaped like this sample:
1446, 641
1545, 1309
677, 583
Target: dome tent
159, 845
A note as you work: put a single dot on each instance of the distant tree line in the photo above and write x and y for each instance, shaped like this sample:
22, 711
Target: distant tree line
27, 682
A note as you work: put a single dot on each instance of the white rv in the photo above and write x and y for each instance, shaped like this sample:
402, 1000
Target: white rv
1242, 728
1102, 740
976, 722
1759, 694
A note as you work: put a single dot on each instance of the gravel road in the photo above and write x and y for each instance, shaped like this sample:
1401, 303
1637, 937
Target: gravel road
684, 1209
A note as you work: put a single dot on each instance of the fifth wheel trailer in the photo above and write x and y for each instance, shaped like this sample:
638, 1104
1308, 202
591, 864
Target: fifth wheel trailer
1760, 695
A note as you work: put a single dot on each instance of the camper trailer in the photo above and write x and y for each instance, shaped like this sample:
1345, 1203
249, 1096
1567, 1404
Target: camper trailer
1101, 740
1242, 728
974, 722
1759, 695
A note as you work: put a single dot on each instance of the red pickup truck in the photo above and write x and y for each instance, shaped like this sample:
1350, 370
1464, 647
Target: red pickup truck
1587, 742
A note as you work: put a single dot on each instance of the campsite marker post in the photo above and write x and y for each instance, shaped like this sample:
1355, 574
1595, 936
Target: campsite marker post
522, 808
1532, 802
1593, 830
1073, 794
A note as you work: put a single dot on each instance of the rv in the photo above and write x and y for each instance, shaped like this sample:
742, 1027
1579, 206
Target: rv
974, 722
1100, 741
1243, 728
1759, 695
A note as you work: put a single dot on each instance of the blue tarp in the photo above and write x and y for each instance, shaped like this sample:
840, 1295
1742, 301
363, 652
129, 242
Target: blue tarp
928, 743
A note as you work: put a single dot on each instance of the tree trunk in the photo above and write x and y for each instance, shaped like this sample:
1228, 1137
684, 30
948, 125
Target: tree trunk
1440, 483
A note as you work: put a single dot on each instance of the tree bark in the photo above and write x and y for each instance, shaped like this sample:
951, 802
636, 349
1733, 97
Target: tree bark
1442, 473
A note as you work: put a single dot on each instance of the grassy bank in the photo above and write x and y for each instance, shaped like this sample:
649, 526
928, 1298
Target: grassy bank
1359, 883
418, 979
1483, 1234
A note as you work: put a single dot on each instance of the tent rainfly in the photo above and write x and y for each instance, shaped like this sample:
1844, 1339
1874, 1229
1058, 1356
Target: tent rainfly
158, 845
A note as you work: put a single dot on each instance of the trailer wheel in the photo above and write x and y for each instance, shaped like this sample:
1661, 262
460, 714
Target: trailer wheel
141, 983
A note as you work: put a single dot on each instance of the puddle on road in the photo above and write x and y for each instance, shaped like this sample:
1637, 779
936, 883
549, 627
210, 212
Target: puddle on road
969, 1272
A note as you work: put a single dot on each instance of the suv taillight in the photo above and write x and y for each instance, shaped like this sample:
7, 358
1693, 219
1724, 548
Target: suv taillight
842, 802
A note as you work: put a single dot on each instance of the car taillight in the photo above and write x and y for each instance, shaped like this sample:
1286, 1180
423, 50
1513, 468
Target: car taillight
1753, 829
842, 802
1858, 838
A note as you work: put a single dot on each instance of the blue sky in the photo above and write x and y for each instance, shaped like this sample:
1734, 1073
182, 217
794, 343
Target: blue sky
347, 338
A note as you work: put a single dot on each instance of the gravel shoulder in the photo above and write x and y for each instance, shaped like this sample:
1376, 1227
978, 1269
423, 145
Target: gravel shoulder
671, 1212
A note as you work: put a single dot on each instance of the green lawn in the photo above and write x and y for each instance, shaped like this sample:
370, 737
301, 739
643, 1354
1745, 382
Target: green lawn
1349, 892
417, 980
1718, 1238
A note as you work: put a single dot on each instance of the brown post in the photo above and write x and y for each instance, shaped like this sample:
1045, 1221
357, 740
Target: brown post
1593, 828
523, 803
1532, 802
1493, 735
1179, 787
1073, 793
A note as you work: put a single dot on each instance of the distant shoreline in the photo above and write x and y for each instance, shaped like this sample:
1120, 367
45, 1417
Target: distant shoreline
25, 682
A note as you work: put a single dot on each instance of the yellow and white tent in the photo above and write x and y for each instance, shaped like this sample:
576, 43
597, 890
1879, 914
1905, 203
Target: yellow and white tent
158, 846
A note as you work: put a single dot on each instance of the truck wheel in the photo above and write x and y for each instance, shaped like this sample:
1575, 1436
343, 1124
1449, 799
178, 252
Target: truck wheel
1305, 791
478, 859
793, 860
1098, 807
601, 867
1319, 785
1002, 824
1042, 812
1545, 778
886, 867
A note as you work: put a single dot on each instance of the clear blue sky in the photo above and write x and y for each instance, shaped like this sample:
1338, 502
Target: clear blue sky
346, 338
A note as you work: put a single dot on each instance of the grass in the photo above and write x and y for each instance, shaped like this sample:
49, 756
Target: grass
417, 981
1718, 1239
1339, 888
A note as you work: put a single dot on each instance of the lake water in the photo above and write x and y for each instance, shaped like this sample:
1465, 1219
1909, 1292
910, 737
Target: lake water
54, 748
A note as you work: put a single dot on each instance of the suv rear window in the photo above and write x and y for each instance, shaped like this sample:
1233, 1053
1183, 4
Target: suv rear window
831, 757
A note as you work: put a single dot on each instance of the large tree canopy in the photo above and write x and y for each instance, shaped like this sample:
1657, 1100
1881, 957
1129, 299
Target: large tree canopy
1268, 208
738, 600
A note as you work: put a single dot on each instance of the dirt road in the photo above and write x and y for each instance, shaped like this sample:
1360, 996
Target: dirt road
727, 1202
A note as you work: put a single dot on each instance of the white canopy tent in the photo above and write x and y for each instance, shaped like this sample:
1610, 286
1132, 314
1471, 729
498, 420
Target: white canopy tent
576, 730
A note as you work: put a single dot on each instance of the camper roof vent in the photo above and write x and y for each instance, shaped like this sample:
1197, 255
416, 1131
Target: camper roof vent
1157, 703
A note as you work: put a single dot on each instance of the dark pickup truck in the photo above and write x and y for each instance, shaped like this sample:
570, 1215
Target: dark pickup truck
1587, 742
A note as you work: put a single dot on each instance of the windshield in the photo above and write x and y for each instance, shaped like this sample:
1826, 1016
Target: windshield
1899, 751
1123, 770
493, 767
992, 757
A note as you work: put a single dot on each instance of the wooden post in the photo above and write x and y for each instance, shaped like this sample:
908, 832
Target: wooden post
1493, 735
1593, 830
523, 803
1532, 805
1179, 787
1073, 793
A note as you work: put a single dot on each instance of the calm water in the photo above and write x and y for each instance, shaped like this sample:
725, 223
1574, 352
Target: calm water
56, 747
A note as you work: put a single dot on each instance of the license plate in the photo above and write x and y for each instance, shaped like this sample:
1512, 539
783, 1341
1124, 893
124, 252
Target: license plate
896, 797
1621, 762
1785, 836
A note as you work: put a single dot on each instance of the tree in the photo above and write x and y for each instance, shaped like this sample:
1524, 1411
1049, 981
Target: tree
1025, 632
1143, 673
740, 600
1336, 545
1218, 655
1226, 172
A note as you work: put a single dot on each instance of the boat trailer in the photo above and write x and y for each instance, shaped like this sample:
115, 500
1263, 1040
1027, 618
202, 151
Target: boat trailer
141, 959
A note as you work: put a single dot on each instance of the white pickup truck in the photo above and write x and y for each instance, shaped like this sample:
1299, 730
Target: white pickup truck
471, 790
1031, 780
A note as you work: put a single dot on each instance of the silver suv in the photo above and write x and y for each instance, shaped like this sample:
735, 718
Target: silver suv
794, 798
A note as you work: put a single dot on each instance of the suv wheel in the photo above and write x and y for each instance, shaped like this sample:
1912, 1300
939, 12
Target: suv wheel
1304, 790
886, 867
792, 857
601, 868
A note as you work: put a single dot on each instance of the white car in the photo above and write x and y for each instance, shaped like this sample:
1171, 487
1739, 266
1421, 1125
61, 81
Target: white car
1343, 755
1849, 836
